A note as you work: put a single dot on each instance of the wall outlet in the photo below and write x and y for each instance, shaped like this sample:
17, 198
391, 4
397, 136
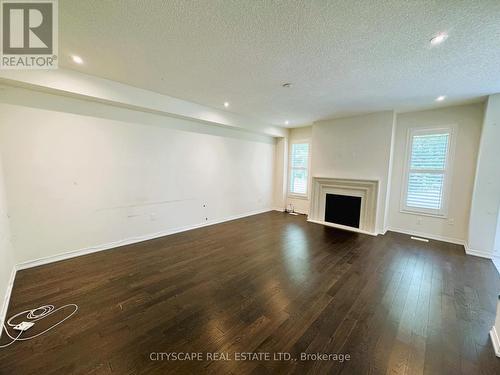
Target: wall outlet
419, 221
451, 221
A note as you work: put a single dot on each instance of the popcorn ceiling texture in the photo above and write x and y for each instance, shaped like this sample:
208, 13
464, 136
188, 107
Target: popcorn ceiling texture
343, 57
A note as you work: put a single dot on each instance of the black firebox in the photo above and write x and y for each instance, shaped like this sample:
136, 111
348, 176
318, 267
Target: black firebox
343, 209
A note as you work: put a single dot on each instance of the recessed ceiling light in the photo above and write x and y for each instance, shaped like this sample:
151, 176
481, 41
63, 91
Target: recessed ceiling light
226, 104
287, 85
77, 59
440, 98
287, 122
439, 38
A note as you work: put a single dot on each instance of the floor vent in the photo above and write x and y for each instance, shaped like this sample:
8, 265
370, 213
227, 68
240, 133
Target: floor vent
419, 239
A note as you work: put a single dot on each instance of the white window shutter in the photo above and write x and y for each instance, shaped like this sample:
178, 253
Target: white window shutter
427, 171
299, 163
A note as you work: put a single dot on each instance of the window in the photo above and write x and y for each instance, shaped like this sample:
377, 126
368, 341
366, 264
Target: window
299, 165
427, 171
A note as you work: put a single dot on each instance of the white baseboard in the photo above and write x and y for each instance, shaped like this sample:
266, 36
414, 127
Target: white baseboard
477, 253
344, 227
127, 241
456, 241
107, 246
468, 250
495, 340
6, 299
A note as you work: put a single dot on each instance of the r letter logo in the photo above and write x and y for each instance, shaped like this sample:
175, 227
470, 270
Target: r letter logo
29, 34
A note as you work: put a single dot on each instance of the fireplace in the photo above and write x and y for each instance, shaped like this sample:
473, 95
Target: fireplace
349, 204
343, 209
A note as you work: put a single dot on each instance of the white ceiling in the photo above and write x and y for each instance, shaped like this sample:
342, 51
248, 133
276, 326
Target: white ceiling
343, 57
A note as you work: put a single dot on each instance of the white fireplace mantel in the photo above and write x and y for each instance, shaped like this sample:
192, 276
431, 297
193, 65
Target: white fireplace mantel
366, 189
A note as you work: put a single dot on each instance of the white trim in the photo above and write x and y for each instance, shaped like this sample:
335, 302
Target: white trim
344, 227
468, 250
435, 237
422, 213
298, 196
447, 172
477, 253
6, 299
128, 241
495, 341
418, 213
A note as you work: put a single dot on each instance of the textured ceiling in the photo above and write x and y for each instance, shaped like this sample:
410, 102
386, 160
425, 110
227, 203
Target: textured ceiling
343, 57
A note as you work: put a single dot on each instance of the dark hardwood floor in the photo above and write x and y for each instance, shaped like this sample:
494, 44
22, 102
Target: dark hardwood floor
269, 283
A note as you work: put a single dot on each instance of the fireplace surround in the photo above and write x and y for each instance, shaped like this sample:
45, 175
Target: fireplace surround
367, 190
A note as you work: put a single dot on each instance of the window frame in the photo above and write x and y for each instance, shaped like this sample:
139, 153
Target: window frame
291, 194
447, 173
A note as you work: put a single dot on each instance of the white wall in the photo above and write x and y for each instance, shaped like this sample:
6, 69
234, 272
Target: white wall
76, 84
81, 174
6, 252
497, 236
486, 198
468, 119
280, 173
496, 250
302, 134
355, 147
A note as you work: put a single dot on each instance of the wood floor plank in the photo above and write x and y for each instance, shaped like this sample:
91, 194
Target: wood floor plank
269, 283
